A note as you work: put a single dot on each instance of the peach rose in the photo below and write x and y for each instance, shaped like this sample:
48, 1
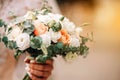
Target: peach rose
65, 37
40, 28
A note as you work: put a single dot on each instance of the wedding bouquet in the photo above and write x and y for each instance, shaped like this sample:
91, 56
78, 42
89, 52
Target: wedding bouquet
44, 35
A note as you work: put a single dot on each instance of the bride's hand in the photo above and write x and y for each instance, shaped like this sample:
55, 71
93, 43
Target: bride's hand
40, 71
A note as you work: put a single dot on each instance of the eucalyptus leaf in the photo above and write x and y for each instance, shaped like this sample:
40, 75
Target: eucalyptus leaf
12, 45
41, 58
2, 23
62, 18
27, 24
28, 27
36, 42
84, 39
57, 27
60, 45
17, 54
5, 40
45, 11
9, 30
51, 23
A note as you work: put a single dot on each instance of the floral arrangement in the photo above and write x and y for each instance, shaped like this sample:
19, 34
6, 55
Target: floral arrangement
44, 35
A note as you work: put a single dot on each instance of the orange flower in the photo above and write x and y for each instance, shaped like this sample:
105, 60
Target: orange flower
65, 38
40, 28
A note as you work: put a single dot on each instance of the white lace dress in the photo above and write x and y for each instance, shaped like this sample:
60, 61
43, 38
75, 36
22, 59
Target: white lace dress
19, 7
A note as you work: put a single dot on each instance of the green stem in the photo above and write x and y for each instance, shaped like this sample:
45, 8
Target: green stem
26, 77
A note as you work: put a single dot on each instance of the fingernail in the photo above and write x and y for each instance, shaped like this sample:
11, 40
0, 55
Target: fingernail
32, 61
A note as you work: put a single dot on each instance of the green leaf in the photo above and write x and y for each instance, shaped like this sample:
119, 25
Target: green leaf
34, 52
29, 27
27, 24
62, 18
9, 30
26, 77
17, 54
51, 23
57, 27
60, 45
41, 58
50, 52
36, 42
1, 23
5, 40
84, 39
29, 30
45, 11
83, 49
12, 45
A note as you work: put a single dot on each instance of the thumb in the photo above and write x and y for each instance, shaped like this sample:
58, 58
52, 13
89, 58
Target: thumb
28, 59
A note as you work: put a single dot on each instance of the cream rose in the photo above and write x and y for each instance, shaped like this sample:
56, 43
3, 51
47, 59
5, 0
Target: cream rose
69, 26
44, 18
16, 31
40, 28
74, 42
55, 17
23, 41
70, 57
46, 39
54, 35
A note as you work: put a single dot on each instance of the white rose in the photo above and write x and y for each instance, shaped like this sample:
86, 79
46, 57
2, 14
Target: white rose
54, 35
46, 39
74, 42
23, 41
70, 57
44, 18
55, 17
78, 30
69, 26
16, 31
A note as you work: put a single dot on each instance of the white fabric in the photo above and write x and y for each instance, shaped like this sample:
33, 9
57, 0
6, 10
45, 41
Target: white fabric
20, 7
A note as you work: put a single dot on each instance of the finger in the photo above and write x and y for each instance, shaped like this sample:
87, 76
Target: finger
40, 73
49, 62
41, 67
27, 60
33, 77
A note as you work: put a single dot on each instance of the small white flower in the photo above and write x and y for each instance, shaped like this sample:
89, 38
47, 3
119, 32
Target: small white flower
16, 31
70, 57
74, 42
46, 39
23, 41
54, 35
